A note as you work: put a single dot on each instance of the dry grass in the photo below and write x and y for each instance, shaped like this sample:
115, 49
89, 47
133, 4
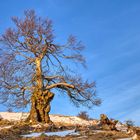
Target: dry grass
15, 132
5, 122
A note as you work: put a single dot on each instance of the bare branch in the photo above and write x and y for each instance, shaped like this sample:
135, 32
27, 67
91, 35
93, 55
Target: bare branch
59, 85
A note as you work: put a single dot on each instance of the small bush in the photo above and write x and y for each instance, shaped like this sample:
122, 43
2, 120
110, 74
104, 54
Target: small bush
83, 115
9, 110
129, 123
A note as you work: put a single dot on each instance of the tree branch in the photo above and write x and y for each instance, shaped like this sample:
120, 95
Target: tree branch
53, 77
59, 85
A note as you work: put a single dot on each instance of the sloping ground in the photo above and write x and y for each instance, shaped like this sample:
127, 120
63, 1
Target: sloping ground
71, 120
15, 131
56, 119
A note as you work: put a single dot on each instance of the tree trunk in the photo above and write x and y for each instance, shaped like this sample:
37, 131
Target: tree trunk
40, 100
40, 107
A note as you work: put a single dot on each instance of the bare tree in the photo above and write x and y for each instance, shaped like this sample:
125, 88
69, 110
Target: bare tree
83, 115
129, 123
32, 64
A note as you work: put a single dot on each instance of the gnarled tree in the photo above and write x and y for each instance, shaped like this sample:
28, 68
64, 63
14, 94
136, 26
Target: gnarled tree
32, 64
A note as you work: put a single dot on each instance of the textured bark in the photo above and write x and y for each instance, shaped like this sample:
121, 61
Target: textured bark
40, 108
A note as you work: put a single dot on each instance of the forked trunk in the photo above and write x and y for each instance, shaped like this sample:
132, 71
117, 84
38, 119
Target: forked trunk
40, 100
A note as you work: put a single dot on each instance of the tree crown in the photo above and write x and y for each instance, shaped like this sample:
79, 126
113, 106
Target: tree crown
32, 42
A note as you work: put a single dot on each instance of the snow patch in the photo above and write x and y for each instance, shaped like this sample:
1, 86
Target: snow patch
60, 133
6, 127
56, 119
13, 116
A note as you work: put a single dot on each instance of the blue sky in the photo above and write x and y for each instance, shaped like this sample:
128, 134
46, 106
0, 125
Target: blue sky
110, 29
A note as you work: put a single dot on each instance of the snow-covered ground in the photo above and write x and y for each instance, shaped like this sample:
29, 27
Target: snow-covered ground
56, 119
72, 120
60, 133
11, 116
